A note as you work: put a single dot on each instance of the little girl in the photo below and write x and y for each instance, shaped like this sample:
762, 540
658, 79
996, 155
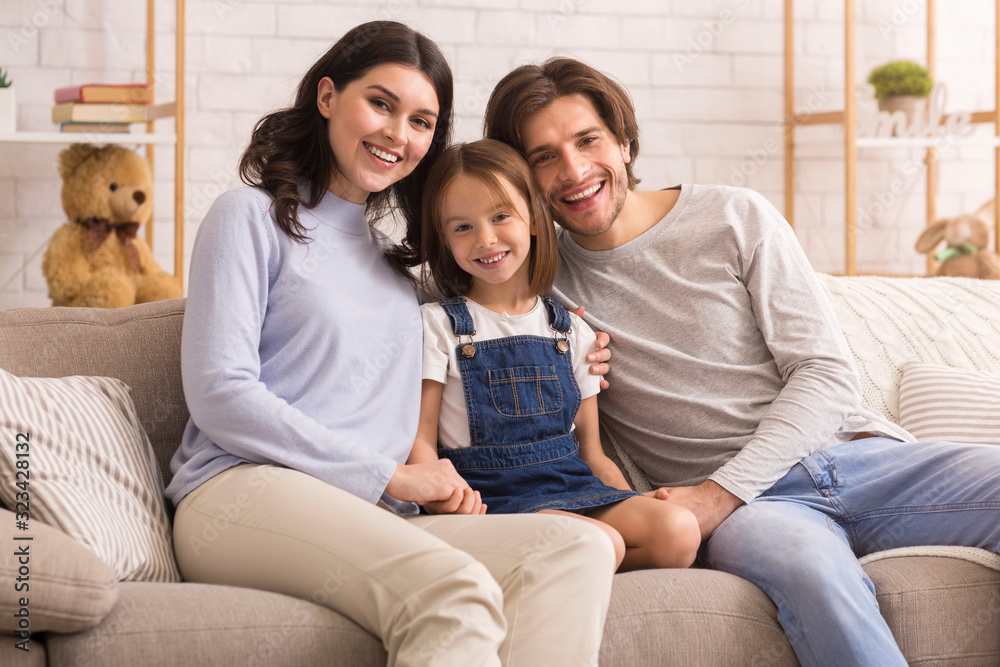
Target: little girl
502, 386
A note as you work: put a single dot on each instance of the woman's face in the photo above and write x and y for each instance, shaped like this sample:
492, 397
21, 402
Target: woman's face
380, 127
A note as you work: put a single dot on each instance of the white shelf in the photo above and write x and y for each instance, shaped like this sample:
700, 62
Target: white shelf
88, 137
900, 142
144, 136
924, 142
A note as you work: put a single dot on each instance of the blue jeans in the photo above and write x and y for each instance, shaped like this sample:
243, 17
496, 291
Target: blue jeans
800, 540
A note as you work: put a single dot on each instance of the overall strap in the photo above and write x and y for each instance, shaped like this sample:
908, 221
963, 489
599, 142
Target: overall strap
458, 314
558, 317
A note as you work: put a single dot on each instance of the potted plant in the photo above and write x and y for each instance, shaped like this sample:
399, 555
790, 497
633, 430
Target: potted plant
900, 85
8, 111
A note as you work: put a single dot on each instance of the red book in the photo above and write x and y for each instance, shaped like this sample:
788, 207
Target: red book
116, 93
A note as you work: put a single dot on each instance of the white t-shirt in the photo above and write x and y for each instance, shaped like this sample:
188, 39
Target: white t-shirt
441, 361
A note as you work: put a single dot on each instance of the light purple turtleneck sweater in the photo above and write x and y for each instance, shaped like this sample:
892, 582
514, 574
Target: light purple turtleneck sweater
304, 356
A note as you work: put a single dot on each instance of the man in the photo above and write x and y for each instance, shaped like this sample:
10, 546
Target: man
733, 388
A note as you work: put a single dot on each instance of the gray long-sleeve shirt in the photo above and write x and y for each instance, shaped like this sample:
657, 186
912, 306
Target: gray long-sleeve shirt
729, 363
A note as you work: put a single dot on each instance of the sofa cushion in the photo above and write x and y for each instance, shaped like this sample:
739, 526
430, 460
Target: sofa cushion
139, 345
942, 611
84, 465
944, 403
691, 617
11, 655
67, 587
165, 625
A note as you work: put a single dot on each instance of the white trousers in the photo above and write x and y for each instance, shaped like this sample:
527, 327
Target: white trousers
517, 590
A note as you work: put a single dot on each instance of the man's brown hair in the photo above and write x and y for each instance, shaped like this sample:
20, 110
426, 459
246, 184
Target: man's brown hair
491, 163
529, 88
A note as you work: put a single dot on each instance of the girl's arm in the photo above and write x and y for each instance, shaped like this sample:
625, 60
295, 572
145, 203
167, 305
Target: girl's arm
588, 436
425, 446
424, 455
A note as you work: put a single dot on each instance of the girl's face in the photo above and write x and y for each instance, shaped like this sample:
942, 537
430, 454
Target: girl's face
489, 240
380, 127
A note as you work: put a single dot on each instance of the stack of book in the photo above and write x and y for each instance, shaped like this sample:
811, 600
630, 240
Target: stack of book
98, 107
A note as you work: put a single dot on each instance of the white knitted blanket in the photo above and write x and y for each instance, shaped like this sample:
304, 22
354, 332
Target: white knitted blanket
889, 321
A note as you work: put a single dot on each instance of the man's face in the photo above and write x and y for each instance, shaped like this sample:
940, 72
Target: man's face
579, 164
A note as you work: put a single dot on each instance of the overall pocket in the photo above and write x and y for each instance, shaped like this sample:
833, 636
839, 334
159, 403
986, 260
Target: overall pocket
525, 391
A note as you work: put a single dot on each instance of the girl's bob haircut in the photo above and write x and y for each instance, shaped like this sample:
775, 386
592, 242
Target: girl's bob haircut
490, 162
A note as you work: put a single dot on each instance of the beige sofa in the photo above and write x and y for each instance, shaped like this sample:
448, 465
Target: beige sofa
942, 610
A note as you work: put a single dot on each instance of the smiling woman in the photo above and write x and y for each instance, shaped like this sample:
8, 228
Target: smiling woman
396, 72
301, 364
381, 126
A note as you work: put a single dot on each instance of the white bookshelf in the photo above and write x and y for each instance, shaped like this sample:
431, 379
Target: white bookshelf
847, 118
149, 137
88, 137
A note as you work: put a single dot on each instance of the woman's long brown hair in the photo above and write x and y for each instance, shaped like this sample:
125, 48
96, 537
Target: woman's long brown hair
290, 147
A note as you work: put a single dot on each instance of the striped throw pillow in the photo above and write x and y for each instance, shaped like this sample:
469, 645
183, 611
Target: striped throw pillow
954, 404
87, 468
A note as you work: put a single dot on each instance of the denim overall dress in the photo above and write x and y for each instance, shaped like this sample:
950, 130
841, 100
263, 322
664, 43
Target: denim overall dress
522, 397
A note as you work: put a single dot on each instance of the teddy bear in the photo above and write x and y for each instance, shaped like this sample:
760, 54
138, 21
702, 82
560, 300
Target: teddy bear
965, 254
97, 259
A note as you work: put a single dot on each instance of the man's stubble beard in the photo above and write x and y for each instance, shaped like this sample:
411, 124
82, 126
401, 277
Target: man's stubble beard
618, 196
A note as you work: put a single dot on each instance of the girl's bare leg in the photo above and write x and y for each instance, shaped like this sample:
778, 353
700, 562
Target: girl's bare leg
657, 533
616, 538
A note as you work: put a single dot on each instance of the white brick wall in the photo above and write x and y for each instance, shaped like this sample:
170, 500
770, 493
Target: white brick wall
706, 77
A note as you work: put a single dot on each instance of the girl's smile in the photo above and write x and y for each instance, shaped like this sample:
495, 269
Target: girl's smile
491, 260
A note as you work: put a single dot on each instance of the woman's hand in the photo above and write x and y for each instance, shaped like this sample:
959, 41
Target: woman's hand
601, 356
463, 501
426, 482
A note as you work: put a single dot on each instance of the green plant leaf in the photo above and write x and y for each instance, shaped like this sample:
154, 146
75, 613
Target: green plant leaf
900, 77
